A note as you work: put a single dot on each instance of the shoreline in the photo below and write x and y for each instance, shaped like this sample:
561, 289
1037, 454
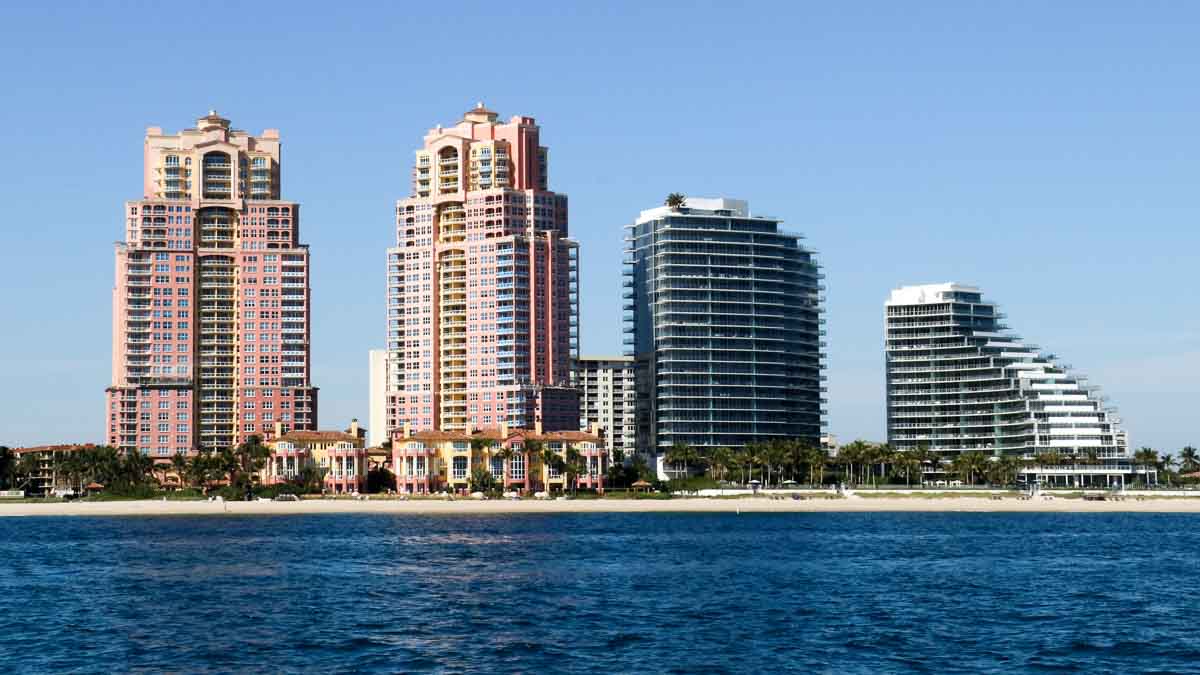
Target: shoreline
425, 507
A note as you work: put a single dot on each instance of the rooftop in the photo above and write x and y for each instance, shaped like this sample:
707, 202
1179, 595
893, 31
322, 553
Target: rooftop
927, 293
63, 447
700, 206
497, 435
300, 436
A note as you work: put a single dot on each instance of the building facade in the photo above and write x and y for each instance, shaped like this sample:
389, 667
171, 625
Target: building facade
211, 302
723, 316
45, 477
959, 381
339, 456
377, 397
426, 462
483, 283
607, 399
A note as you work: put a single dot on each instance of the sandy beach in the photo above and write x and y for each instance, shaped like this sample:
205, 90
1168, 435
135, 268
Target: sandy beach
681, 505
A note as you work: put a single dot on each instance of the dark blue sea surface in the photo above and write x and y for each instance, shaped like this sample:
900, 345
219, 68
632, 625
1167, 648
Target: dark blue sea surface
840, 593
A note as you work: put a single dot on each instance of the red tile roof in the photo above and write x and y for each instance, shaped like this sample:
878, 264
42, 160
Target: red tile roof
489, 434
494, 435
66, 447
301, 436
578, 436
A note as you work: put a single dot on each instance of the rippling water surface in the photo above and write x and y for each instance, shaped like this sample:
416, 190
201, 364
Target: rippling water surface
602, 593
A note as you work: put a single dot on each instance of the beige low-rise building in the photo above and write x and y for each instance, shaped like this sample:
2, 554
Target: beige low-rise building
425, 462
46, 477
340, 456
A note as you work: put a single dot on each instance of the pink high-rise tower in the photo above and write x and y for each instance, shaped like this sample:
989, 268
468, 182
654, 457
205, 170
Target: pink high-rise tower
211, 301
482, 285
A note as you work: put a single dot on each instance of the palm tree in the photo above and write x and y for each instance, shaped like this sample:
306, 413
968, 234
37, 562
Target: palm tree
1147, 457
1166, 462
1050, 458
505, 454
1003, 470
70, 465
719, 462
530, 448
133, 470
481, 480
907, 462
481, 447
741, 460
682, 455
777, 456
816, 458
552, 460
23, 470
179, 464
796, 450
253, 455
7, 461
573, 466
1189, 459
752, 456
924, 455
854, 453
481, 444
884, 456
968, 465
199, 469
675, 200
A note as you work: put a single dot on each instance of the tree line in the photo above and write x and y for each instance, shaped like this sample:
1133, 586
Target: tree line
128, 473
775, 462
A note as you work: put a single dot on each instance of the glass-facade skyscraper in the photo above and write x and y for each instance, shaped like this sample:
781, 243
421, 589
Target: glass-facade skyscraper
723, 316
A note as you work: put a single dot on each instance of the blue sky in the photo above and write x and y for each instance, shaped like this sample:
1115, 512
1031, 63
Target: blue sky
1046, 152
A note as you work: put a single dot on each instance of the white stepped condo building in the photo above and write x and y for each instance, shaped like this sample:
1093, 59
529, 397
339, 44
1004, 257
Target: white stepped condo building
959, 381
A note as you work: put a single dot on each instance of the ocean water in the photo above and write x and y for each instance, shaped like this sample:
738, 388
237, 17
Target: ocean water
610, 593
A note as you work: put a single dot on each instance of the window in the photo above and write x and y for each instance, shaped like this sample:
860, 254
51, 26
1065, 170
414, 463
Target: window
516, 466
460, 468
